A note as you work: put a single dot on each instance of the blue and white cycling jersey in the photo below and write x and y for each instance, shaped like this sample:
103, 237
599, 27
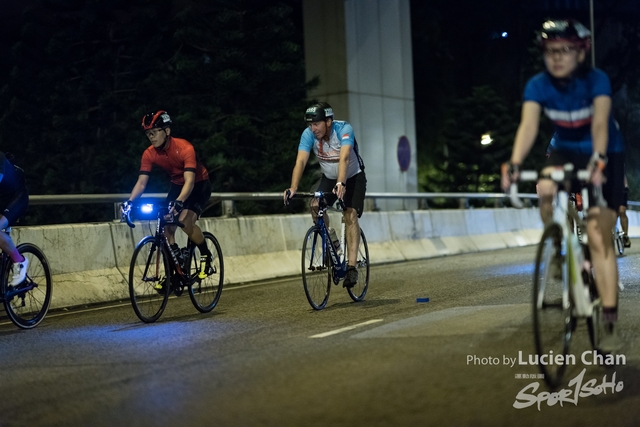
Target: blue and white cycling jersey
328, 152
571, 110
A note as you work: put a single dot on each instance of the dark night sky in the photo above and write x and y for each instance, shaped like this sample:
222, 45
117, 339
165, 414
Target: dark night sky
474, 52
478, 17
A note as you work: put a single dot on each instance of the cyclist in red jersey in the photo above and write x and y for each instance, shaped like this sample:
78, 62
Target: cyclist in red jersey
190, 187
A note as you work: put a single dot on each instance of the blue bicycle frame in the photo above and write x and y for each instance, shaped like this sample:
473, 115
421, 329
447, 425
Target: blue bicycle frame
338, 261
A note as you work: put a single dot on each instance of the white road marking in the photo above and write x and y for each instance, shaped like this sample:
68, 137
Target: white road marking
347, 328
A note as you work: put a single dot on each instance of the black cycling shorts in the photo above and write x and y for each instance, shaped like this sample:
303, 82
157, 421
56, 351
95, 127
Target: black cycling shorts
613, 188
354, 195
14, 206
197, 200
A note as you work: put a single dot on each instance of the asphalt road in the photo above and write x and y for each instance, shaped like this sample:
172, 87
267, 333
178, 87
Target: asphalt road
388, 361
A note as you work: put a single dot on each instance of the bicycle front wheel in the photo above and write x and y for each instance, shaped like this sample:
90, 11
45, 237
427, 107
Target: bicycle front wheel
27, 303
205, 292
359, 290
316, 271
552, 321
149, 280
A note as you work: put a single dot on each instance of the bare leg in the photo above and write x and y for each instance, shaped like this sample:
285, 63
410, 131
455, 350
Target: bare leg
546, 192
599, 225
352, 231
6, 244
314, 213
188, 219
624, 220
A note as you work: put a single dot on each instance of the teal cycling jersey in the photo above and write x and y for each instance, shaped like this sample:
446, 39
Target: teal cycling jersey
570, 108
328, 152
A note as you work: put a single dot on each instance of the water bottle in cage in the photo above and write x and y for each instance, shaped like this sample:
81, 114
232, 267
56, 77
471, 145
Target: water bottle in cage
334, 239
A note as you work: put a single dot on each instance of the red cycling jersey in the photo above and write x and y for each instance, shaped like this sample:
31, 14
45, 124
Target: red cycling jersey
176, 157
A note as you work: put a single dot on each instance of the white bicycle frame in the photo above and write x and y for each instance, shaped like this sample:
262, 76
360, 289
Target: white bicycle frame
570, 245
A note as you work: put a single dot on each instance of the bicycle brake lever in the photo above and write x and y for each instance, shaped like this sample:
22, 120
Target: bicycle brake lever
126, 217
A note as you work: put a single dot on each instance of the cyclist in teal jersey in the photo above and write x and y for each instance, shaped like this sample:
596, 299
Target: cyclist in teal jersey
334, 144
578, 101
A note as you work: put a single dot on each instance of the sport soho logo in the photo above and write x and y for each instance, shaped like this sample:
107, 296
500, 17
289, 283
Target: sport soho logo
576, 387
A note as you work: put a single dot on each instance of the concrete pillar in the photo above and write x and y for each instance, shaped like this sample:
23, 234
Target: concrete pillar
361, 51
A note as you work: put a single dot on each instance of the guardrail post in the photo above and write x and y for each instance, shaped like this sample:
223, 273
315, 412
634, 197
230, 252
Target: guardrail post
463, 203
228, 208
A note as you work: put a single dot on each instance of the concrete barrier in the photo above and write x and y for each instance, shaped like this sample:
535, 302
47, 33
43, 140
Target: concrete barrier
90, 262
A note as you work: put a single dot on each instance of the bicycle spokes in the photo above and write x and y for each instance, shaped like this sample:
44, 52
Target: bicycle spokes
316, 274
27, 303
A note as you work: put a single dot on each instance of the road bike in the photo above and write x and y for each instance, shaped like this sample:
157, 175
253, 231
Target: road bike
564, 289
156, 271
323, 263
27, 303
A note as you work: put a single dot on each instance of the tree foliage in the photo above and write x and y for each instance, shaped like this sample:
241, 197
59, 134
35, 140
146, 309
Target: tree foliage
230, 73
464, 164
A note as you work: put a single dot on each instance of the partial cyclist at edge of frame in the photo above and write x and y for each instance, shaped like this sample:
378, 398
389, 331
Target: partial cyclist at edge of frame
14, 200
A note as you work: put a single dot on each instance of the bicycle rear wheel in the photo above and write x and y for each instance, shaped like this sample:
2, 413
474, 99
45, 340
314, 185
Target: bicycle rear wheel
316, 271
205, 293
27, 303
359, 290
552, 321
149, 280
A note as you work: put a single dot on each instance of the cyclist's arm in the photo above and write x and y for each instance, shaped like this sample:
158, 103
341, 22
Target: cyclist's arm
189, 182
527, 131
296, 175
345, 153
600, 123
138, 189
600, 131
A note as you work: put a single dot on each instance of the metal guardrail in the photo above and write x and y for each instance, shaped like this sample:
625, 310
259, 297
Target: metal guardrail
228, 199
68, 199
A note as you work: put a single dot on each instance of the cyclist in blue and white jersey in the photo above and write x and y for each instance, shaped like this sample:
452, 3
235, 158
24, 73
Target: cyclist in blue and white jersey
335, 146
577, 99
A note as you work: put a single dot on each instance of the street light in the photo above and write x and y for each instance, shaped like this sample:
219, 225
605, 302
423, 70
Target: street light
486, 139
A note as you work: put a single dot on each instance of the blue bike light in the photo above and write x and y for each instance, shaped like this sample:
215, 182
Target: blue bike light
146, 208
145, 211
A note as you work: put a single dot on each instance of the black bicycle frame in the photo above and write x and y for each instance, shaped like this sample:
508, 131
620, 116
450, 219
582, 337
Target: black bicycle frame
339, 268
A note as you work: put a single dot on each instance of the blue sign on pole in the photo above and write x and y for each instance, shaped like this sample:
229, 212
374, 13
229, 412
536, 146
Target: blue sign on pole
404, 153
